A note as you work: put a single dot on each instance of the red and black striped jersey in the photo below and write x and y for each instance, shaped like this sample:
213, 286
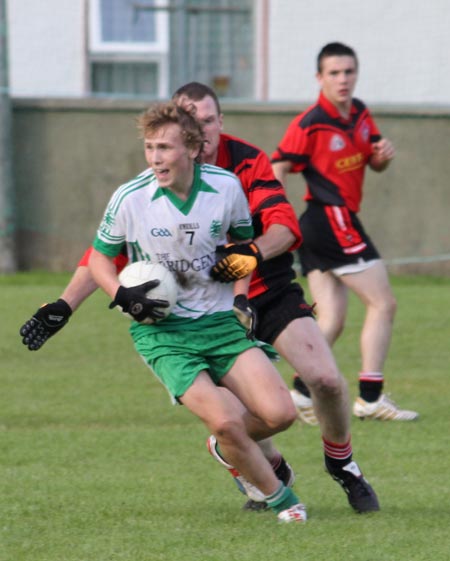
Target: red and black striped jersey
268, 205
330, 151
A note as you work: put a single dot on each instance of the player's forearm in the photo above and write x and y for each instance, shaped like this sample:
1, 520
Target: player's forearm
104, 273
80, 287
281, 171
277, 240
241, 285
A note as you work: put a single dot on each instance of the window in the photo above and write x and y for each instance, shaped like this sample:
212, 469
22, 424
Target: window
125, 78
128, 45
152, 47
212, 42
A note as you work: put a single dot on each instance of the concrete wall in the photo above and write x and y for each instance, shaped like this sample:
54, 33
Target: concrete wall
69, 156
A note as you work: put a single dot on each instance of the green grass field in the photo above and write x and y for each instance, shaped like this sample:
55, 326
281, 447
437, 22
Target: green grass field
96, 465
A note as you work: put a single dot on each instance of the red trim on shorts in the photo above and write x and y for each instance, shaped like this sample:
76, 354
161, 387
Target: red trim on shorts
341, 225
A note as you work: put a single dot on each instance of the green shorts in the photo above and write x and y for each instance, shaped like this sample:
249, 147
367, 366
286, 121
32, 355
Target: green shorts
211, 343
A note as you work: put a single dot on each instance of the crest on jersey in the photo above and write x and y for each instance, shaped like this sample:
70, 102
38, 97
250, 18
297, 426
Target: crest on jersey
107, 222
365, 132
215, 228
337, 143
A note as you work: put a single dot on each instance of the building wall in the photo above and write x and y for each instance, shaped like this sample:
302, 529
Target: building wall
70, 156
403, 48
46, 47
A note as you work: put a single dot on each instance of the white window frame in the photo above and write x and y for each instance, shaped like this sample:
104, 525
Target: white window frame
160, 46
118, 51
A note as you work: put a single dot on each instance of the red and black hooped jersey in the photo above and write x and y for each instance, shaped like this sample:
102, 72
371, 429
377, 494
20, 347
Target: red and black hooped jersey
268, 205
330, 151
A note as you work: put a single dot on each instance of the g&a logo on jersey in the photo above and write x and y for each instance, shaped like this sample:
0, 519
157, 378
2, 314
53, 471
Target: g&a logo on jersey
337, 143
160, 233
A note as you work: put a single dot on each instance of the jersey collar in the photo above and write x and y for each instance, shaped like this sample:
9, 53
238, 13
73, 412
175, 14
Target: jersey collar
185, 206
332, 109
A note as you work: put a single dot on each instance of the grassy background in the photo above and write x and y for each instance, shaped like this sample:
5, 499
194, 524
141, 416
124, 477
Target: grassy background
96, 464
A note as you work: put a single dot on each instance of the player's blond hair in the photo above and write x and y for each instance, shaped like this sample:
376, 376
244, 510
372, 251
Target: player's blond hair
164, 113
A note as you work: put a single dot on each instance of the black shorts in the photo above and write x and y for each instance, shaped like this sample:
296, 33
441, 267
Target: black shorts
275, 309
332, 237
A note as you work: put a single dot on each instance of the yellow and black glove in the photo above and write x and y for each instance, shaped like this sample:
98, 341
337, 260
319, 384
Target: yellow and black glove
235, 261
246, 314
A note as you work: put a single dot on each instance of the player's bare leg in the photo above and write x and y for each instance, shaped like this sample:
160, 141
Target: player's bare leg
304, 347
260, 387
302, 344
280, 467
219, 409
223, 414
330, 296
373, 289
251, 366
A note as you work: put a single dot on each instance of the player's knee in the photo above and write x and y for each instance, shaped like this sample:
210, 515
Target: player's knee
328, 384
391, 306
290, 417
387, 306
283, 417
332, 328
228, 430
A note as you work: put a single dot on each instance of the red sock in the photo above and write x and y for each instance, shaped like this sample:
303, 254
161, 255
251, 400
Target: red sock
337, 455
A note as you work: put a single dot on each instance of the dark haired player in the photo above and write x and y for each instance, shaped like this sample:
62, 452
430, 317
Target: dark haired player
331, 144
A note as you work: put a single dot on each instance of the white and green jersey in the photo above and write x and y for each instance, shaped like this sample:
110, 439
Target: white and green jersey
159, 227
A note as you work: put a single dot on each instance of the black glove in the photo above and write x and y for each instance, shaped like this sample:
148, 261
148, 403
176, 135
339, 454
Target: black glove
133, 301
235, 261
47, 321
246, 314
